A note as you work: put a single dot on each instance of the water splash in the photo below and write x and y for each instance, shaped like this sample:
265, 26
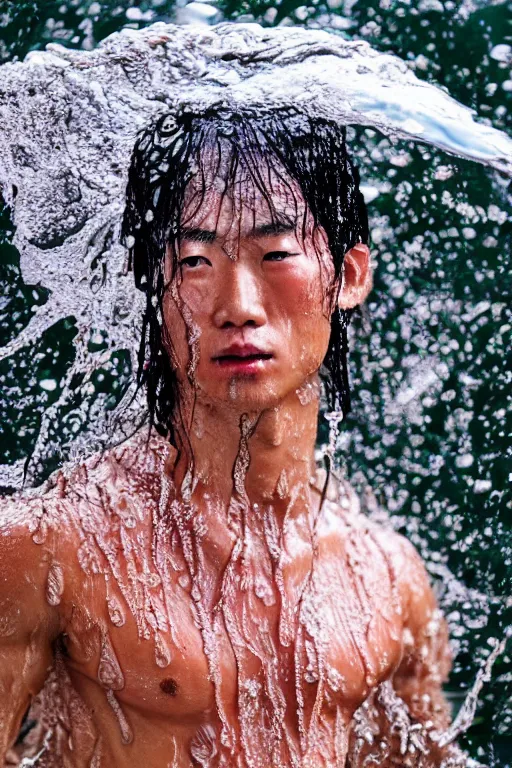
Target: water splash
66, 137
135, 51
467, 711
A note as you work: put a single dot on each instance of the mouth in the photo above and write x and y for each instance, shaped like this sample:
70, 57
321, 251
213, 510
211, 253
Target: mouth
244, 359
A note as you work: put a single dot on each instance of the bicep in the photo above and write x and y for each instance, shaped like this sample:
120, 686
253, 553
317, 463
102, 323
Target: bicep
23, 670
28, 623
423, 670
426, 659
407, 734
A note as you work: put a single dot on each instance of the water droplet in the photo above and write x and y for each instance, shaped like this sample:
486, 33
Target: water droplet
162, 651
124, 725
115, 611
232, 389
55, 584
282, 485
184, 580
308, 392
110, 673
152, 579
195, 593
203, 746
39, 528
88, 558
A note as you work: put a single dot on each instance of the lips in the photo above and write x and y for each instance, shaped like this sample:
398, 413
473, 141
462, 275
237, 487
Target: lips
242, 355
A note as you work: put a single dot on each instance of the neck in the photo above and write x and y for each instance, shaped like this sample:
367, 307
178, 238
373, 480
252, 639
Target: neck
264, 457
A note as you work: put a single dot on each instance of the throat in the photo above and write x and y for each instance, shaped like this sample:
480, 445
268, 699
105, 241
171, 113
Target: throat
262, 457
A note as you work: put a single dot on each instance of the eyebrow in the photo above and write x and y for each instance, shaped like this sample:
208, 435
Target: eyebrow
271, 229
198, 235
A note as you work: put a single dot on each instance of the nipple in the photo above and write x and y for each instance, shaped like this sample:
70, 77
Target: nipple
170, 686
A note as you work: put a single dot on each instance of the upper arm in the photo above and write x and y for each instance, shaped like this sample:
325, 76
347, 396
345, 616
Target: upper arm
28, 623
394, 734
426, 659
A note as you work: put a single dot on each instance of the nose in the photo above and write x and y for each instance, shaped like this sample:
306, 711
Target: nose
239, 302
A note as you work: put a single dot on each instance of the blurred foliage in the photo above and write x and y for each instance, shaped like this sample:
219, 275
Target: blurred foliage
431, 354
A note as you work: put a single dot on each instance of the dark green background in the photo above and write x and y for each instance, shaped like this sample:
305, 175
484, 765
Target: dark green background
426, 261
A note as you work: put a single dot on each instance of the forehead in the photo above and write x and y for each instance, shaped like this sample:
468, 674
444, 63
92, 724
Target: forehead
248, 199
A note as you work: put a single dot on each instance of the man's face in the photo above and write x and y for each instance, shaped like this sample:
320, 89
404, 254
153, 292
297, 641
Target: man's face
248, 311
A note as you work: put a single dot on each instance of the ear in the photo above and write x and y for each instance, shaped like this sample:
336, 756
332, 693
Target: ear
357, 277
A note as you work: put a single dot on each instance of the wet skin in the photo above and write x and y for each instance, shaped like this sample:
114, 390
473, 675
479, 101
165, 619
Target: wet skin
118, 579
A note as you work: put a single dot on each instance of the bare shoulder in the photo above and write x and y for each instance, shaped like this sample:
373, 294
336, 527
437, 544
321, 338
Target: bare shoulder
405, 565
25, 568
426, 648
132, 465
93, 490
44, 526
413, 580
118, 486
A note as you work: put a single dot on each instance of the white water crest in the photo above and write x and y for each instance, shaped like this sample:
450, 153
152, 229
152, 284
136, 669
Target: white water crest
68, 122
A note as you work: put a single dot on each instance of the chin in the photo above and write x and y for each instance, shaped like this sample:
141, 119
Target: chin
247, 394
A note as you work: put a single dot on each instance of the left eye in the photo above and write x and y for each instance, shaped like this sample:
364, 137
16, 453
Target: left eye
277, 255
194, 261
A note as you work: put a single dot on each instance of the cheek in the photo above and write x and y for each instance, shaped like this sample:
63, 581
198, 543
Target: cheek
302, 300
187, 306
196, 296
186, 311
302, 295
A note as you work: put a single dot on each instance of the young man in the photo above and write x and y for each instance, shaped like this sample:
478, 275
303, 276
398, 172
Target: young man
203, 597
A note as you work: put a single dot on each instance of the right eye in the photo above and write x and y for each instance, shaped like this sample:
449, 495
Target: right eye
193, 262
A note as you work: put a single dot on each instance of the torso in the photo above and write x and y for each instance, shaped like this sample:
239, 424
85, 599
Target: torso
167, 659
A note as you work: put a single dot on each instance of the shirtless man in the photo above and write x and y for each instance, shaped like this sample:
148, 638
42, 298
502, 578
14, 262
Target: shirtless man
199, 596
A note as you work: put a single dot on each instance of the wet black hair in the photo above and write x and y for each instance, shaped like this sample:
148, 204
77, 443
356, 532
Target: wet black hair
217, 144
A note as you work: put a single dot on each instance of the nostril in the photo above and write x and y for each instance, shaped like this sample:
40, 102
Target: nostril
249, 323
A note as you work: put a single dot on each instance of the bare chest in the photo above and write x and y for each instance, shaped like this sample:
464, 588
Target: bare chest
277, 648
